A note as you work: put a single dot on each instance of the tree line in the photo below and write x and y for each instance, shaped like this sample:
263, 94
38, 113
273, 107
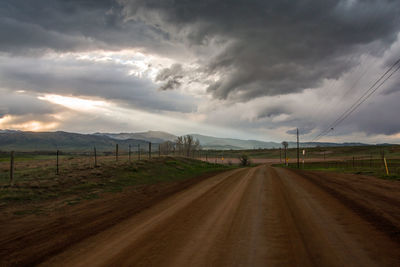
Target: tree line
183, 145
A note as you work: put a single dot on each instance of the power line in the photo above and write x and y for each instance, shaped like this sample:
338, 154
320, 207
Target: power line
382, 79
361, 100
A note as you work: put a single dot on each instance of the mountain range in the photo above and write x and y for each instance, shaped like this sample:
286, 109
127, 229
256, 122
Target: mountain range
36, 141
50, 141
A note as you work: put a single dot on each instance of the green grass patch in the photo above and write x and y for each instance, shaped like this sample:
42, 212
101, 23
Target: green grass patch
391, 151
83, 182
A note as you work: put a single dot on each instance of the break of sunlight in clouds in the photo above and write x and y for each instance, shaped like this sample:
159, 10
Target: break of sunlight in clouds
75, 102
140, 64
7, 122
136, 119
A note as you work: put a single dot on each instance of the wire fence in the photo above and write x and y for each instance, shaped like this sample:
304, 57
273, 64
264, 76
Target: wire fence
378, 166
20, 166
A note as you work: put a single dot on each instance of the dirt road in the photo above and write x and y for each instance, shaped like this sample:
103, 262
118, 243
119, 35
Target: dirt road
260, 216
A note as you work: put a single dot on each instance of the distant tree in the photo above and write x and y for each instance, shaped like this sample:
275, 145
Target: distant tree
179, 145
285, 144
167, 147
196, 145
187, 145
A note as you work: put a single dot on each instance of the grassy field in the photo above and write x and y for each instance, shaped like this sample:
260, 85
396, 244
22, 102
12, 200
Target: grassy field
36, 179
373, 166
392, 151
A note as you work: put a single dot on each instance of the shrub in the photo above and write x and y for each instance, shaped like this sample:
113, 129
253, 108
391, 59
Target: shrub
244, 160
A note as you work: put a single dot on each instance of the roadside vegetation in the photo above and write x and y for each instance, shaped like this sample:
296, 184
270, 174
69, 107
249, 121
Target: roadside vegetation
391, 151
372, 167
36, 179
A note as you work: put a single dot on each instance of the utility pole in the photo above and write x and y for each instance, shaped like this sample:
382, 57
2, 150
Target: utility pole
285, 145
298, 150
280, 154
12, 168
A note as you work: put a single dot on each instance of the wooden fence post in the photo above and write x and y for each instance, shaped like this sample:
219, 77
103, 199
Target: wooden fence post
12, 168
139, 151
149, 150
129, 153
159, 150
116, 152
95, 157
57, 170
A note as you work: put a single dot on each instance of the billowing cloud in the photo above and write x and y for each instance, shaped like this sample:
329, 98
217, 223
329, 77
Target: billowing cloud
276, 47
171, 77
69, 75
65, 26
244, 68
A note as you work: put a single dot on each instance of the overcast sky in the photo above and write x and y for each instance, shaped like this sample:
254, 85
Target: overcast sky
250, 69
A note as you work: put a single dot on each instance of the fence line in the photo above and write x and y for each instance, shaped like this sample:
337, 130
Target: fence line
21, 163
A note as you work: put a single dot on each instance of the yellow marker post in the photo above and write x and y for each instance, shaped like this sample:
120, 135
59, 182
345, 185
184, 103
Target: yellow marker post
387, 170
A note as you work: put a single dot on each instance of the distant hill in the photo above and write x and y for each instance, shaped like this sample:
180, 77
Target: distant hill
149, 136
325, 144
209, 142
35, 141
49, 141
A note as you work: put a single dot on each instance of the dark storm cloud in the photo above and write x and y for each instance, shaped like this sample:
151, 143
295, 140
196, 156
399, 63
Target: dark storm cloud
37, 26
275, 47
272, 47
272, 111
302, 131
171, 77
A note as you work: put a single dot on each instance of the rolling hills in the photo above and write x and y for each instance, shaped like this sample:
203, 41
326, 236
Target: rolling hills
50, 141
36, 141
